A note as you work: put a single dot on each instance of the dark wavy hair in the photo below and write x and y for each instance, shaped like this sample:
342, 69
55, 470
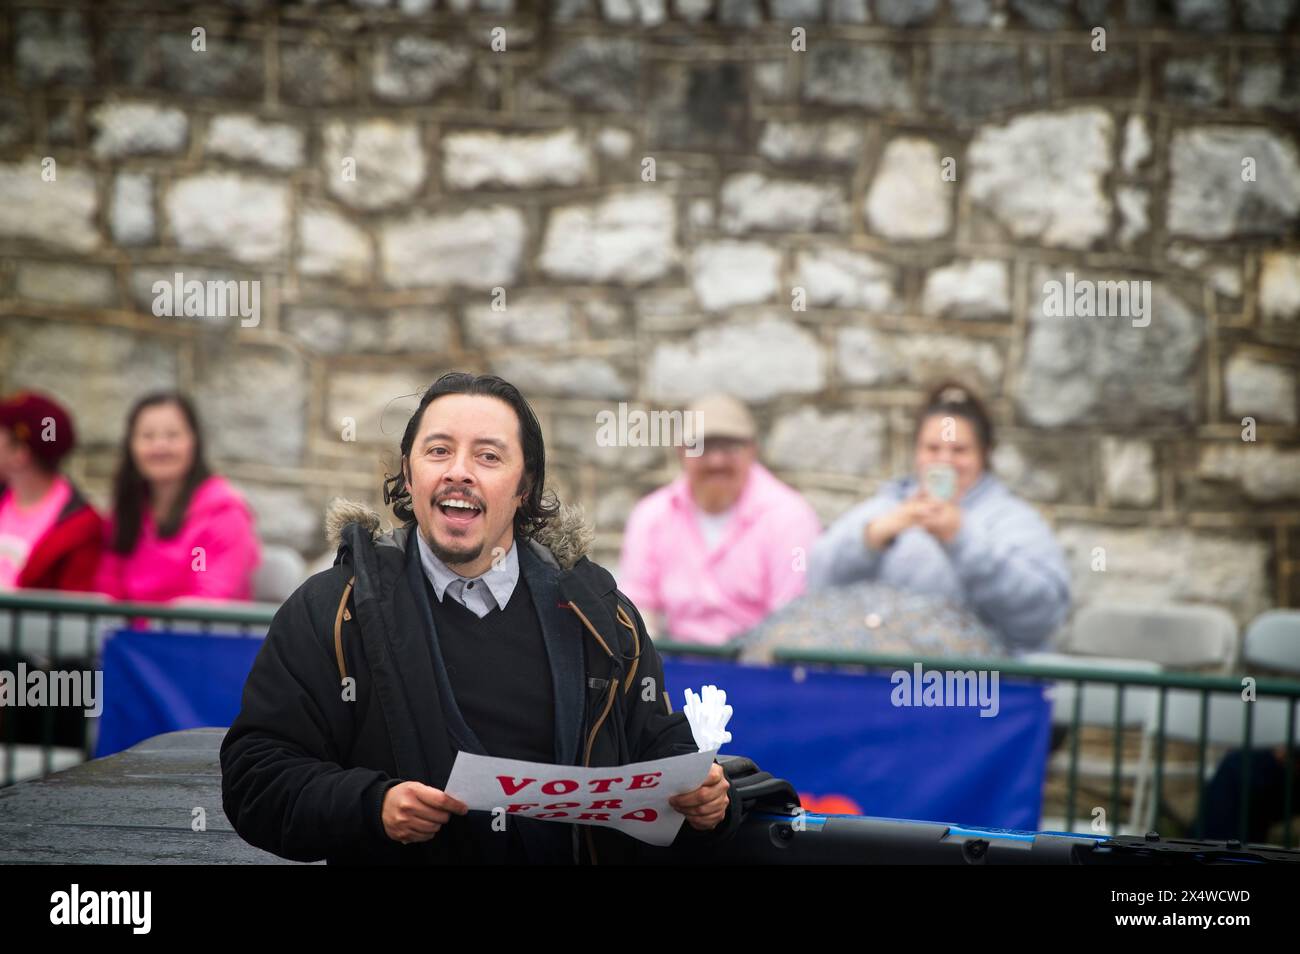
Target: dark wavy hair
954, 399
537, 507
131, 490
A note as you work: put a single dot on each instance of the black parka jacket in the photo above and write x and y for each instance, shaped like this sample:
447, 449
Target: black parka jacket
345, 700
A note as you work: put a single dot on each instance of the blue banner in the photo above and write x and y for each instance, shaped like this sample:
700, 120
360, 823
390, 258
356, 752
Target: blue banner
156, 682
847, 748
838, 737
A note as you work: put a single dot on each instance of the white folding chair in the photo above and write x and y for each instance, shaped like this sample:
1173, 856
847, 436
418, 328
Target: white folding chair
1273, 641
1177, 636
1171, 636
1097, 709
281, 571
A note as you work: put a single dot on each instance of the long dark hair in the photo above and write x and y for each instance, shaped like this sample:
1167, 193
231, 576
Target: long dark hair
131, 490
536, 508
954, 399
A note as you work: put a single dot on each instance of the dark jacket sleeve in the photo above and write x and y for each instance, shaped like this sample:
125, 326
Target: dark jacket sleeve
656, 732
282, 786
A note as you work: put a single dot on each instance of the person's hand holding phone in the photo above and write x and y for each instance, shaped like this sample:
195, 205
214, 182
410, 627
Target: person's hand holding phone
932, 507
881, 532
941, 519
940, 516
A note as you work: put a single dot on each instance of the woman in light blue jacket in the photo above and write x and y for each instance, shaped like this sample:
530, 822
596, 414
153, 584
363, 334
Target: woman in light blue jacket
954, 530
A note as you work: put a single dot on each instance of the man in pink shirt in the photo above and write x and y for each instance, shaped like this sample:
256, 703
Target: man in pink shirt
714, 552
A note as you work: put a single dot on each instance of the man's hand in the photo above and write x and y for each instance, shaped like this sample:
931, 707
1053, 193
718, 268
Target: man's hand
415, 812
707, 805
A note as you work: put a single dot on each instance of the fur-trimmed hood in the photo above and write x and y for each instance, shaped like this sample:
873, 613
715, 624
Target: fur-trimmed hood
563, 540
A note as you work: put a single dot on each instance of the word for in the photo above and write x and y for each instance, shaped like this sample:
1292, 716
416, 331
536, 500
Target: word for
595, 810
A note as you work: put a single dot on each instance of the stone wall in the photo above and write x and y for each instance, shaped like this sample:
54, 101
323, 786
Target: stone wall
820, 204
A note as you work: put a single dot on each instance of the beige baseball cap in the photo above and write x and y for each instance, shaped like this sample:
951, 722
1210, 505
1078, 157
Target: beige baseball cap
721, 415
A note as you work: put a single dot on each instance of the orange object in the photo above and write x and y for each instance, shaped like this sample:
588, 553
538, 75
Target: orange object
829, 804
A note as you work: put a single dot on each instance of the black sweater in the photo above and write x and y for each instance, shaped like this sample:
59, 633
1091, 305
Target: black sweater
499, 674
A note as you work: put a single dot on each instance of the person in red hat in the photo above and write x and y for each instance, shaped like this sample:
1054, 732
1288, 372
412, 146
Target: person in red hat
50, 537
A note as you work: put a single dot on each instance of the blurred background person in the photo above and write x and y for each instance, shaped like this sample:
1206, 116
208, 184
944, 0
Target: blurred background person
50, 537
712, 553
952, 529
177, 530
1267, 794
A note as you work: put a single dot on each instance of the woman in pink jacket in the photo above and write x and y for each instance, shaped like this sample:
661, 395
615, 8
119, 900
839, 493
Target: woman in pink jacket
177, 530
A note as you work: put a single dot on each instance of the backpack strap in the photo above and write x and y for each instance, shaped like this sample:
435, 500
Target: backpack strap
342, 614
626, 620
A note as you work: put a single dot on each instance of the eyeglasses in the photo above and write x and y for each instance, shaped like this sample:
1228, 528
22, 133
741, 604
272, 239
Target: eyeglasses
730, 446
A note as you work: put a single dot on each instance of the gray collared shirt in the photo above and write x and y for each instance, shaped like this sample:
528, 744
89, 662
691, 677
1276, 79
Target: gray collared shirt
479, 595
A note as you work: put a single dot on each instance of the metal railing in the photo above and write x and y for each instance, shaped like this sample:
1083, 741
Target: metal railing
97, 616
1162, 683
37, 623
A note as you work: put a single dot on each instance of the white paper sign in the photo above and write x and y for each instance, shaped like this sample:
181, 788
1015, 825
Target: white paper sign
631, 798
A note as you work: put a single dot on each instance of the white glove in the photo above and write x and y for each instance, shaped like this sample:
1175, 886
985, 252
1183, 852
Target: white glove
708, 714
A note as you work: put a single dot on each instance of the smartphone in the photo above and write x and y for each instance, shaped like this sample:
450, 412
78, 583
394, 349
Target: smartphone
941, 481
